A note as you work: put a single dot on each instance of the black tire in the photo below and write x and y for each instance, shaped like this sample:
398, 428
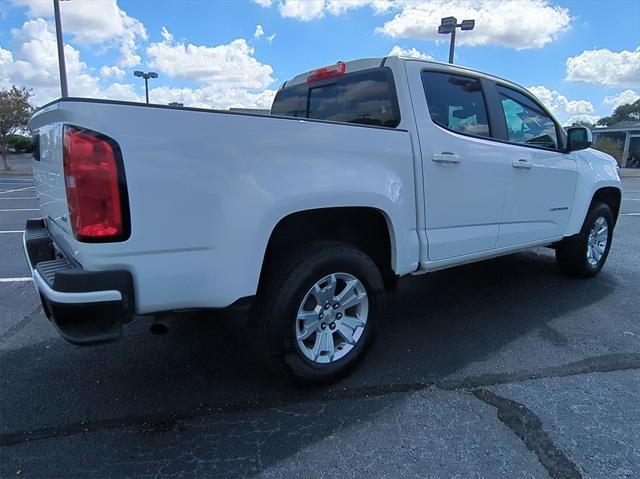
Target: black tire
274, 314
571, 255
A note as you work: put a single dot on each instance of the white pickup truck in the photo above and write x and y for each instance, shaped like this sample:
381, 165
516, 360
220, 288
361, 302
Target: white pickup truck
364, 171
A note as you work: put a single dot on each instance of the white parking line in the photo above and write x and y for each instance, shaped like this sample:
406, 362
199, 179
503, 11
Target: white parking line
629, 214
631, 199
15, 280
11, 232
20, 209
19, 189
20, 198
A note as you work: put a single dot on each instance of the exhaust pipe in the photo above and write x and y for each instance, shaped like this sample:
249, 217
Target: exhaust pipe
159, 326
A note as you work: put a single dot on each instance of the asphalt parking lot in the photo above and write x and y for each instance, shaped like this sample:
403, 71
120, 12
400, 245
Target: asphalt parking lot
504, 368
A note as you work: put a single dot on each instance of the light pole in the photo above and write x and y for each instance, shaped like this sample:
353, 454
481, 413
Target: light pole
146, 77
449, 25
61, 64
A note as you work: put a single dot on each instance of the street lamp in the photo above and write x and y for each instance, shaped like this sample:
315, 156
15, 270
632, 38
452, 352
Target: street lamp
449, 25
146, 77
64, 89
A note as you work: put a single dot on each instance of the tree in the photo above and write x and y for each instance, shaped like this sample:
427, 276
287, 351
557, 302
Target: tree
20, 143
15, 110
586, 123
627, 112
609, 145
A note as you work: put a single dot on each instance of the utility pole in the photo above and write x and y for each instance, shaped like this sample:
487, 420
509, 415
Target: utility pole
449, 25
61, 63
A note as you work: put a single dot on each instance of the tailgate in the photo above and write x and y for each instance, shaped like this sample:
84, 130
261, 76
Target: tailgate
48, 173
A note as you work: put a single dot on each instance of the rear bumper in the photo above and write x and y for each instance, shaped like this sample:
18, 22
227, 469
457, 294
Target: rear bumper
87, 307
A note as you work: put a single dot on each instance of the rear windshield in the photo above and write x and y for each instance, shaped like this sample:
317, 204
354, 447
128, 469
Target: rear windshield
366, 97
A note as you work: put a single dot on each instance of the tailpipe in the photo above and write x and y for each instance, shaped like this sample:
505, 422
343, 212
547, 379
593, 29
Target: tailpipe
159, 326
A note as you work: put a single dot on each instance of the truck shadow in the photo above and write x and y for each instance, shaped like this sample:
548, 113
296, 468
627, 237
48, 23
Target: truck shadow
146, 392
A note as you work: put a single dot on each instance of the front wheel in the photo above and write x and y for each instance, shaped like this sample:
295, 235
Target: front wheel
317, 313
585, 255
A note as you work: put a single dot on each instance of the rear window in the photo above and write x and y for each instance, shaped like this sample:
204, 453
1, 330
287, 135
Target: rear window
366, 97
456, 102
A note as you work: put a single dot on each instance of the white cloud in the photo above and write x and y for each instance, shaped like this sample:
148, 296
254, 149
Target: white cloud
120, 91
112, 72
263, 3
604, 67
307, 10
229, 74
6, 61
338, 7
213, 96
562, 107
95, 22
303, 10
259, 33
168, 37
231, 64
622, 98
33, 62
397, 50
511, 23
581, 118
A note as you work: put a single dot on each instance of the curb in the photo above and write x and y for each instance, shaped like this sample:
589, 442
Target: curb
629, 172
15, 173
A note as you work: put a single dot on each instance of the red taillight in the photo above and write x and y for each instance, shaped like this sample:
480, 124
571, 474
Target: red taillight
327, 72
94, 190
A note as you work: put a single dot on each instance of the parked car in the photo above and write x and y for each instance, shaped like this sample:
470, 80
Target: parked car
364, 172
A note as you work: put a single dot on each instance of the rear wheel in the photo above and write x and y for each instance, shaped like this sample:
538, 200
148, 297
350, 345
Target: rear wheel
585, 255
317, 315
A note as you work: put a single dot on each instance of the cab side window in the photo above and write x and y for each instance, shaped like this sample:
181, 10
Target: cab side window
456, 102
527, 122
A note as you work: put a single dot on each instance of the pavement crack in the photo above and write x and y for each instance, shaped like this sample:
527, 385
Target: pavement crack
157, 422
528, 427
598, 364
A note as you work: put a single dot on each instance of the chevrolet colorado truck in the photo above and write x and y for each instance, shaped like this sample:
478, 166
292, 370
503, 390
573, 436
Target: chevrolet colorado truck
364, 171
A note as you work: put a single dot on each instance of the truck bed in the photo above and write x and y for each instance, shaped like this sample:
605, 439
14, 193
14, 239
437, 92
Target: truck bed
206, 188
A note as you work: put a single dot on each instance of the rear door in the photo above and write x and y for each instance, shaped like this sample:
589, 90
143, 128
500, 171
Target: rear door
463, 169
542, 178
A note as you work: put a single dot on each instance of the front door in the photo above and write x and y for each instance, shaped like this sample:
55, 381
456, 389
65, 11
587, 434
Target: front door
542, 181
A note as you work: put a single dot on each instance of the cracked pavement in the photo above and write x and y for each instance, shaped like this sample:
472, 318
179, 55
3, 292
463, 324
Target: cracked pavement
498, 369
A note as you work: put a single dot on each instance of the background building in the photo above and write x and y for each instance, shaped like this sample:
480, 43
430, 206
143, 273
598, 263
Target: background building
621, 140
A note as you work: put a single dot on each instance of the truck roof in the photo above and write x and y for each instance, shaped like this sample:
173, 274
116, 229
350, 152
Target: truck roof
374, 62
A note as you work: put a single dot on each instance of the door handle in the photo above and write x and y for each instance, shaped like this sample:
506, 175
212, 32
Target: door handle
446, 157
522, 163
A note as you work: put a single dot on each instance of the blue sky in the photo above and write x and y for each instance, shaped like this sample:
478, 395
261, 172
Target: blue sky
580, 57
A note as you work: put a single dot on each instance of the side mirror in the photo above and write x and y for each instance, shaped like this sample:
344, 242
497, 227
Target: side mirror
579, 138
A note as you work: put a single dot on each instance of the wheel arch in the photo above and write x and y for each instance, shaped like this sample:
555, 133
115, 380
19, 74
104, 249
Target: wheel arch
366, 227
611, 196
608, 191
